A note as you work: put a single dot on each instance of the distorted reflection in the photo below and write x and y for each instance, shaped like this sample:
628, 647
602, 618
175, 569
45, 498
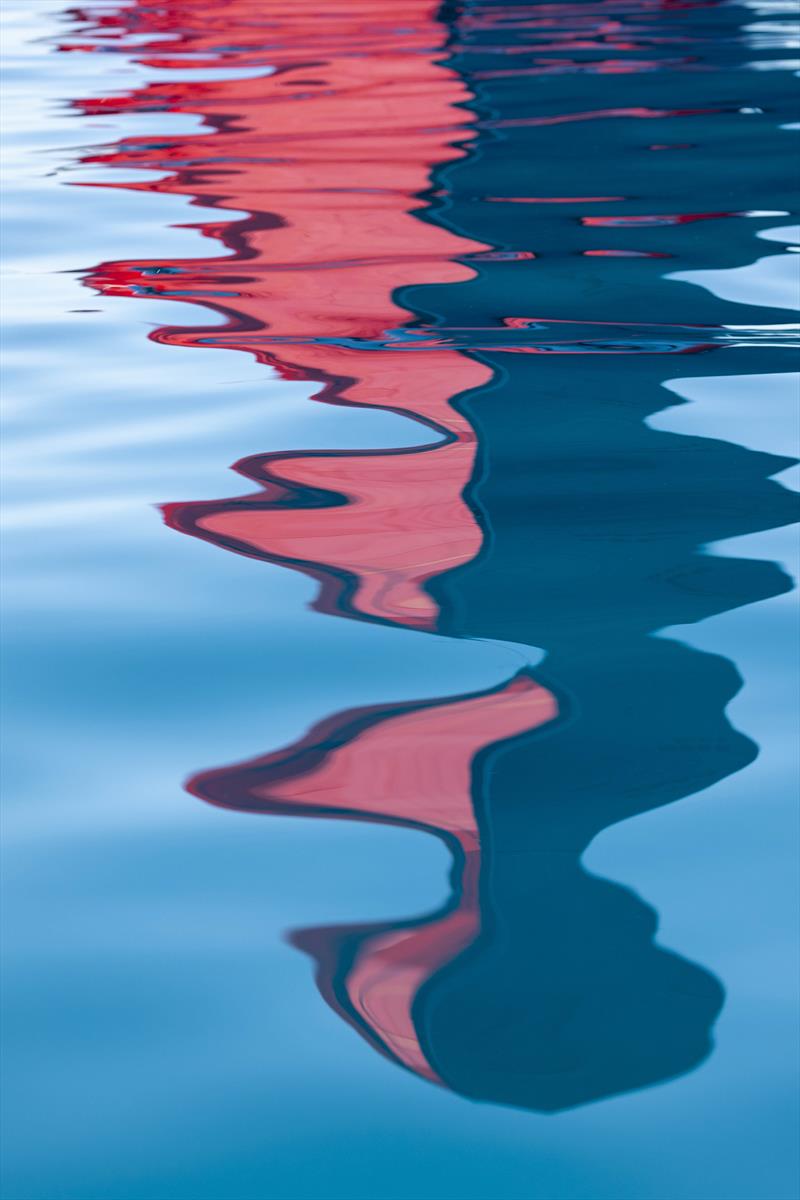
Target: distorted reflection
406, 250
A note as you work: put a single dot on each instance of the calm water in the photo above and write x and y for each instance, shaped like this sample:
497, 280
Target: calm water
490, 307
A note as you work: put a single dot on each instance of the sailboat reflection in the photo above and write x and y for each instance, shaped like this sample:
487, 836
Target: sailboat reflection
545, 512
541, 985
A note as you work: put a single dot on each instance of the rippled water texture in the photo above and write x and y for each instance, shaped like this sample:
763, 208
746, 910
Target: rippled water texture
490, 307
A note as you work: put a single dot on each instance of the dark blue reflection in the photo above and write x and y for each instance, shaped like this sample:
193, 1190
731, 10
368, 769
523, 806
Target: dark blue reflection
596, 528
539, 985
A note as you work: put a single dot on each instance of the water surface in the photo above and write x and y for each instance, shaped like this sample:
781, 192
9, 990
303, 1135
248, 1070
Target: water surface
490, 308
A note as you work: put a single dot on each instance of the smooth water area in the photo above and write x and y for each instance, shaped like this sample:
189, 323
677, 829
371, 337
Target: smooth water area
410, 813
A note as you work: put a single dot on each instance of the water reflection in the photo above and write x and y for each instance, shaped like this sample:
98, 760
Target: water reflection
400, 249
410, 764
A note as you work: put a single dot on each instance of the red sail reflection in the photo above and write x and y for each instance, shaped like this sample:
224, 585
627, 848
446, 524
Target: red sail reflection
407, 764
339, 143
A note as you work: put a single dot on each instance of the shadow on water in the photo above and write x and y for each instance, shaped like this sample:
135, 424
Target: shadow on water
546, 512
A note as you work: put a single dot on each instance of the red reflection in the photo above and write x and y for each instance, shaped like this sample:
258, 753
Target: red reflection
624, 254
551, 199
637, 222
406, 764
328, 155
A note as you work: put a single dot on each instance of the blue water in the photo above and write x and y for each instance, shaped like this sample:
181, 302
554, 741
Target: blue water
162, 1037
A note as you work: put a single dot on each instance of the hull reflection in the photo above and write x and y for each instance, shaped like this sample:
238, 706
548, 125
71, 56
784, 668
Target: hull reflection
391, 167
